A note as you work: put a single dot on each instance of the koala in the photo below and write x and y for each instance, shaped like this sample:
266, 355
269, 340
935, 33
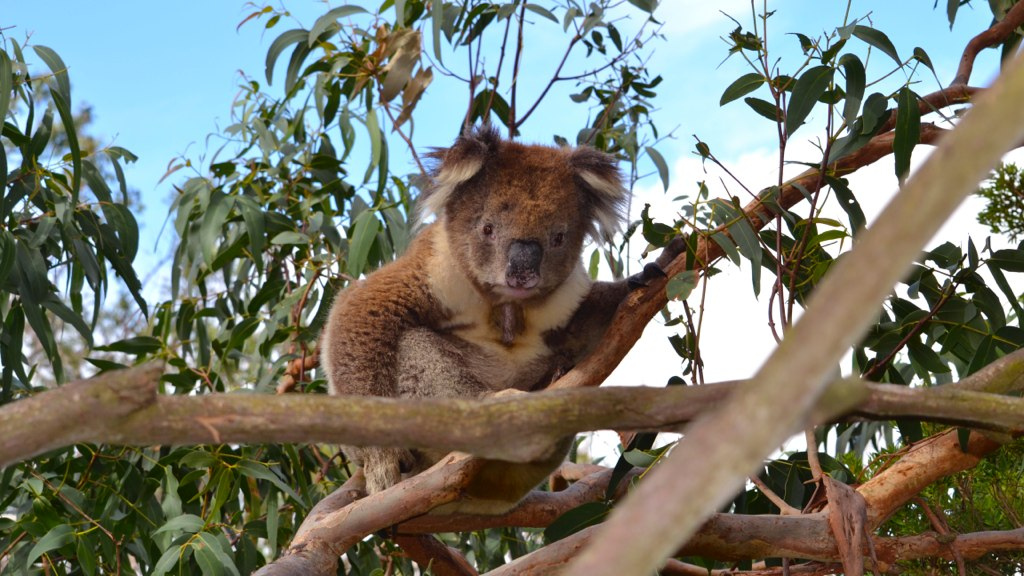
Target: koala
491, 296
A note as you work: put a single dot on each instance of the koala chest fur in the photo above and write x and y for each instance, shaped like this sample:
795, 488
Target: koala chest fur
505, 356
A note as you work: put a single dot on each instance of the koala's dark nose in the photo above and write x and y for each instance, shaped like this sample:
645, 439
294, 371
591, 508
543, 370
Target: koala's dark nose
523, 269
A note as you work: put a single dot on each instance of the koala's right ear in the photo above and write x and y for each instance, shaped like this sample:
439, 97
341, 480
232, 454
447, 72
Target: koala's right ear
457, 165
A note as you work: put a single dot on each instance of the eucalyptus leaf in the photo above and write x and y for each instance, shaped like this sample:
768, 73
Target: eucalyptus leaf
57, 537
808, 90
741, 87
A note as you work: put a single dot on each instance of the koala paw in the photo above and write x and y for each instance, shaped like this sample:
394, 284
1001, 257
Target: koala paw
383, 467
650, 272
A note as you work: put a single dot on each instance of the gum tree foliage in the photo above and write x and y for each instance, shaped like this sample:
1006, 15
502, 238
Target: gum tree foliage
304, 192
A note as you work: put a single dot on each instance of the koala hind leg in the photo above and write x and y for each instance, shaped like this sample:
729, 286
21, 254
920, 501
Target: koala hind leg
430, 365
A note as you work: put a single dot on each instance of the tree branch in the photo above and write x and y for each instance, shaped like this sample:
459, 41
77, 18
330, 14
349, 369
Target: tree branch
731, 441
996, 34
123, 408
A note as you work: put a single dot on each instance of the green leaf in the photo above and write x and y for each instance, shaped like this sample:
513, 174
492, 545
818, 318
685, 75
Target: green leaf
907, 131
984, 355
808, 89
278, 45
170, 558
878, 39
592, 269
806, 44
436, 22
332, 16
576, 519
681, 285
290, 237
855, 84
742, 233
255, 225
260, 471
921, 56
67, 119
136, 345
963, 435
85, 551
764, 108
926, 358
273, 502
241, 332
659, 162
189, 523
373, 128
728, 246
59, 69
741, 87
55, 306
542, 12
1009, 260
212, 559
364, 233
1007, 291
212, 225
951, 8
58, 537
6, 89
848, 202
645, 5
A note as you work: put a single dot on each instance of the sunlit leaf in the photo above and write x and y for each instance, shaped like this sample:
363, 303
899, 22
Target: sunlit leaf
278, 45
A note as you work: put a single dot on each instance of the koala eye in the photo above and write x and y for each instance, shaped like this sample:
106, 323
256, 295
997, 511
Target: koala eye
488, 230
557, 238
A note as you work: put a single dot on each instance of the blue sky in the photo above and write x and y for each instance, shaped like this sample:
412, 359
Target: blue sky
161, 77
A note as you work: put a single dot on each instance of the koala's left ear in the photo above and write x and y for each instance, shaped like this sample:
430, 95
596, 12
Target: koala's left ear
598, 176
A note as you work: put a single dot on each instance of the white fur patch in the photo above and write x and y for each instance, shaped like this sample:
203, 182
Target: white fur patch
471, 314
445, 183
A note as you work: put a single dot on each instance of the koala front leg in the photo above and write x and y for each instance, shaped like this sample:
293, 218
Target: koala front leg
359, 352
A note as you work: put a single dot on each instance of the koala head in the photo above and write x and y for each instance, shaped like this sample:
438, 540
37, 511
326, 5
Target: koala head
517, 215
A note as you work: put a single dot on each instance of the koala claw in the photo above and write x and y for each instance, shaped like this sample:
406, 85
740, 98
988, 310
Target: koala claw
651, 271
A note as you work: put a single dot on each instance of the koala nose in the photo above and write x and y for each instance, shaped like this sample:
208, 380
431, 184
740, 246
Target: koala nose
523, 269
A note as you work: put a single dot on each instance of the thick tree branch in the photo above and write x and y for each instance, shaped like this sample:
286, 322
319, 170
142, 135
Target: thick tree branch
123, 408
996, 34
731, 441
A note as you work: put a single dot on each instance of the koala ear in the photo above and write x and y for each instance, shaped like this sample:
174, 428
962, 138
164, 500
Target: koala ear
597, 174
457, 165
